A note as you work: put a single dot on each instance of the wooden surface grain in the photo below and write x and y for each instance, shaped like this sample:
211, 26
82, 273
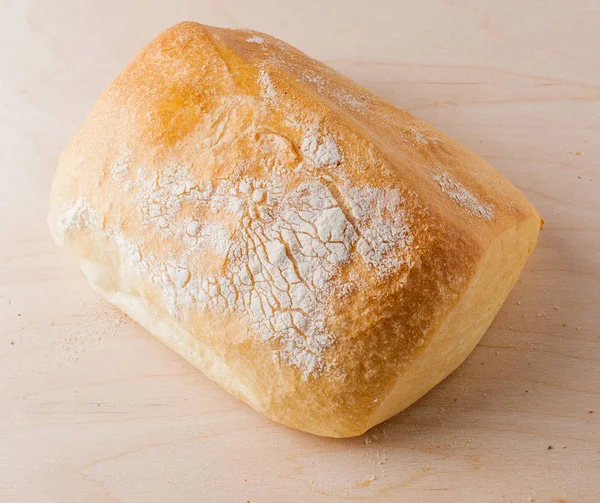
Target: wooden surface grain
94, 409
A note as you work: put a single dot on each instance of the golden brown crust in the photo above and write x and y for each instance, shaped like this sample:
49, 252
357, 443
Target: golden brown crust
303, 242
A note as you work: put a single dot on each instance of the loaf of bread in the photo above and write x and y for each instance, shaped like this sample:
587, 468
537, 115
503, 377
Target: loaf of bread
321, 254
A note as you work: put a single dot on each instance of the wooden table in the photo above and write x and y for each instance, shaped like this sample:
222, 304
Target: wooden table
94, 409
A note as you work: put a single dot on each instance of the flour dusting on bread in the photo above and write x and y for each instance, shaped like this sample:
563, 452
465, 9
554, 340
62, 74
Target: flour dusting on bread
266, 85
255, 39
321, 150
75, 216
280, 255
463, 197
120, 168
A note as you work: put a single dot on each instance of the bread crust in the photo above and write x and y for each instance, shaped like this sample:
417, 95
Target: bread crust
321, 254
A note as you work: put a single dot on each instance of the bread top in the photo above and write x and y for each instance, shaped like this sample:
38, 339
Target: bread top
308, 231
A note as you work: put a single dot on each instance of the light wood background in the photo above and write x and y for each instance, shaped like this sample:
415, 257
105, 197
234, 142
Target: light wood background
94, 409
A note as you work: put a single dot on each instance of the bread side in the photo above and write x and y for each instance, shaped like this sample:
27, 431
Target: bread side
321, 254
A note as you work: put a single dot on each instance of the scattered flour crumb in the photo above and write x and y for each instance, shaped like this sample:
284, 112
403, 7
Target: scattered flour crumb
463, 197
96, 321
385, 237
267, 89
321, 150
120, 169
315, 79
75, 216
256, 39
420, 138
